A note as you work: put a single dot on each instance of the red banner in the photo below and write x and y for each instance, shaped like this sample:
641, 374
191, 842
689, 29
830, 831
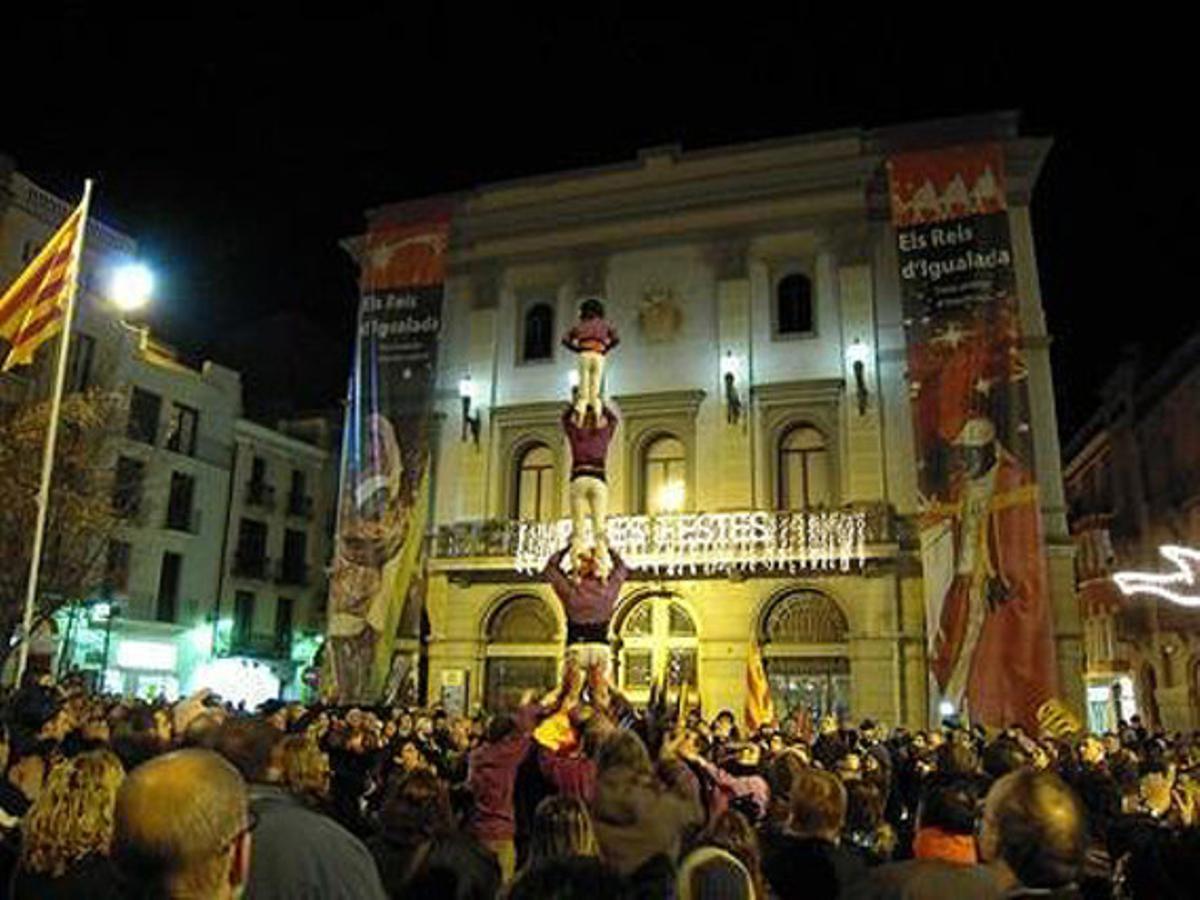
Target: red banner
987, 610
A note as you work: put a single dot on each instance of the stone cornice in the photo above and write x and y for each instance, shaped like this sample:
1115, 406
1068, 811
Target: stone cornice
660, 403
817, 390
547, 412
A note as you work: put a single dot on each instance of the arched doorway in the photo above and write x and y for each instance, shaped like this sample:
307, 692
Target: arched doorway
655, 633
806, 653
522, 651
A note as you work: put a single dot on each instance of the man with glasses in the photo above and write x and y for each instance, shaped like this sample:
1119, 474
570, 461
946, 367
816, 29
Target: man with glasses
182, 828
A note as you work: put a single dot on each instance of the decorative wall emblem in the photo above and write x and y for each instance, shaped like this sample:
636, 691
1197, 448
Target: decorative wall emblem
659, 314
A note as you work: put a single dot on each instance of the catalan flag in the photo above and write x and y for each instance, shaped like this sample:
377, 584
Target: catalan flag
760, 710
32, 309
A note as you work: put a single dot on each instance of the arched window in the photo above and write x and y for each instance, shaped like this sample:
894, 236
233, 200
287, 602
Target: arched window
664, 476
793, 305
657, 634
534, 484
804, 480
805, 639
522, 651
538, 340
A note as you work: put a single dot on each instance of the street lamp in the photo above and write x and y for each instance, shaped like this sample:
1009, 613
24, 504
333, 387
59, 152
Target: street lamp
130, 287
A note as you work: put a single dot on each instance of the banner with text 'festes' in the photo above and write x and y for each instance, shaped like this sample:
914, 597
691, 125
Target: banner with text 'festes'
377, 576
987, 609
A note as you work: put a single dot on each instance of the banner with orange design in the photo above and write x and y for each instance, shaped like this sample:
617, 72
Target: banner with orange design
988, 616
377, 584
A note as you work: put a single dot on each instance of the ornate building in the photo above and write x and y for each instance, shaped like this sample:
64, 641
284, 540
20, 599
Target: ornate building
760, 379
1133, 483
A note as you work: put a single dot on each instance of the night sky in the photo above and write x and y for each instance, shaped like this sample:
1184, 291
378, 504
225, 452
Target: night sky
238, 152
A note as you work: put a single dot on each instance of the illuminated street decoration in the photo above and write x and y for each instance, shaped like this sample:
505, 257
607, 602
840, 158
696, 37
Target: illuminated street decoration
696, 543
1181, 586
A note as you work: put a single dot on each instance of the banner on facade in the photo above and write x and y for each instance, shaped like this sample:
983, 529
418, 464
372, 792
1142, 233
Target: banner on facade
987, 607
376, 579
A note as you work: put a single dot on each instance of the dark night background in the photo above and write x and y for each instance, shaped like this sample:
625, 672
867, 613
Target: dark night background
238, 152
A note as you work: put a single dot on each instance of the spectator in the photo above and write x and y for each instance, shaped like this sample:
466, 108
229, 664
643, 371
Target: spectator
732, 832
419, 852
570, 878
67, 833
304, 770
298, 852
562, 827
182, 828
710, 873
807, 860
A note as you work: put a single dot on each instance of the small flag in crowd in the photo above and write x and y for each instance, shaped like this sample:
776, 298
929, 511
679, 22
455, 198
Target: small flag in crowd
31, 311
759, 708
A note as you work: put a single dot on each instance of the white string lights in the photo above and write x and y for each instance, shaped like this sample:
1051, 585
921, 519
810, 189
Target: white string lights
1181, 586
695, 543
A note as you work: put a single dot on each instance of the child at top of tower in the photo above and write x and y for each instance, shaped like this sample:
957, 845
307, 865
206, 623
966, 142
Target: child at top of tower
591, 338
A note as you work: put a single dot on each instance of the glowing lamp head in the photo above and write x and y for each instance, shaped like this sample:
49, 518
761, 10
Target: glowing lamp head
671, 497
946, 709
573, 378
466, 389
858, 352
130, 287
729, 365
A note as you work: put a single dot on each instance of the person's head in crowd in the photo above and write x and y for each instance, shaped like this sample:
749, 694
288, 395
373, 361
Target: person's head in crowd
416, 805
182, 827
724, 726
710, 873
162, 725
37, 714
570, 878
776, 744
623, 751
1033, 830
201, 730
304, 767
818, 805
251, 745
274, 713
781, 775
1002, 756
72, 817
957, 758
732, 832
409, 757
138, 737
562, 827
28, 773
849, 767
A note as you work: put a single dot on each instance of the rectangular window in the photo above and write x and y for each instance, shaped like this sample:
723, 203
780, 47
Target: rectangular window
251, 557
243, 617
116, 565
295, 552
179, 502
144, 410
299, 503
181, 430
258, 492
283, 624
79, 363
168, 587
127, 486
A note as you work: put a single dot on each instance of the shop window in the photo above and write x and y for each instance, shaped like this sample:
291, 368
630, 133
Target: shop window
793, 305
534, 488
538, 336
657, 636
664, 476
803, 469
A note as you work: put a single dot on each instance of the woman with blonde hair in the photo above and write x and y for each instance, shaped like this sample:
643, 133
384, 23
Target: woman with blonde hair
66, 835
305, 769
562, 827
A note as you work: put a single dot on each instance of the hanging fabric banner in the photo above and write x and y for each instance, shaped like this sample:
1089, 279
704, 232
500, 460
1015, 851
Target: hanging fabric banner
987, 607
377, 575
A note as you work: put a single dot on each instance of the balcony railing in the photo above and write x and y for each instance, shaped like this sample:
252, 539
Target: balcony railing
260, 493
300, 505
261, 646
248, 566
820, 539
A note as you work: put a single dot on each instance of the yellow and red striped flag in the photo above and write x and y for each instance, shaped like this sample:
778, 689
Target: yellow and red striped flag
31, 311
760, 710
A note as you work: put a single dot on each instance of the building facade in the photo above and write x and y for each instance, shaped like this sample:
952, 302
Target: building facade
760, 374
1133, 483
153, 624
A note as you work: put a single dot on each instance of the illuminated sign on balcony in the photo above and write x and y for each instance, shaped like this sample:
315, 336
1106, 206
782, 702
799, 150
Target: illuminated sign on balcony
714, 542
1181, 586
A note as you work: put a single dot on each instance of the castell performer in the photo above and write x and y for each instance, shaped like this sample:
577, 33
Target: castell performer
588, 601
592, 337
589, 485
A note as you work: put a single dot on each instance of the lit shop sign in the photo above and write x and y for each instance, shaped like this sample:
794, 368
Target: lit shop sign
714, 542
150, 655
1181, 586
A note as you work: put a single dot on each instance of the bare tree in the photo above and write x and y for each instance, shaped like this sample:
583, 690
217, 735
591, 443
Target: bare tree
81, 518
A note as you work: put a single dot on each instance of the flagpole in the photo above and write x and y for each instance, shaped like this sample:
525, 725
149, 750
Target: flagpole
60, 379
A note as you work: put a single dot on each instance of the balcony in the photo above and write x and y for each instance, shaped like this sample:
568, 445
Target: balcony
292, 574
835, 540
300, 505
261, 646
247, 565
260, 494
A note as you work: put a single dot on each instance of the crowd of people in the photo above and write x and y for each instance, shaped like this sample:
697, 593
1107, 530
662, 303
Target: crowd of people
571, 795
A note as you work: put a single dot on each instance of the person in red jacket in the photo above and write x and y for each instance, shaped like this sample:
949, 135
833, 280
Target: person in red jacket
588, 601
491, 775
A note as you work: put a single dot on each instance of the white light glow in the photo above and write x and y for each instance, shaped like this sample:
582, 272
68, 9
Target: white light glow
131, 286
150, 655
1181, 586
729, 365
858, 352
671, 496
466, 388
945, 709
237, 680
573, 378
101, 611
